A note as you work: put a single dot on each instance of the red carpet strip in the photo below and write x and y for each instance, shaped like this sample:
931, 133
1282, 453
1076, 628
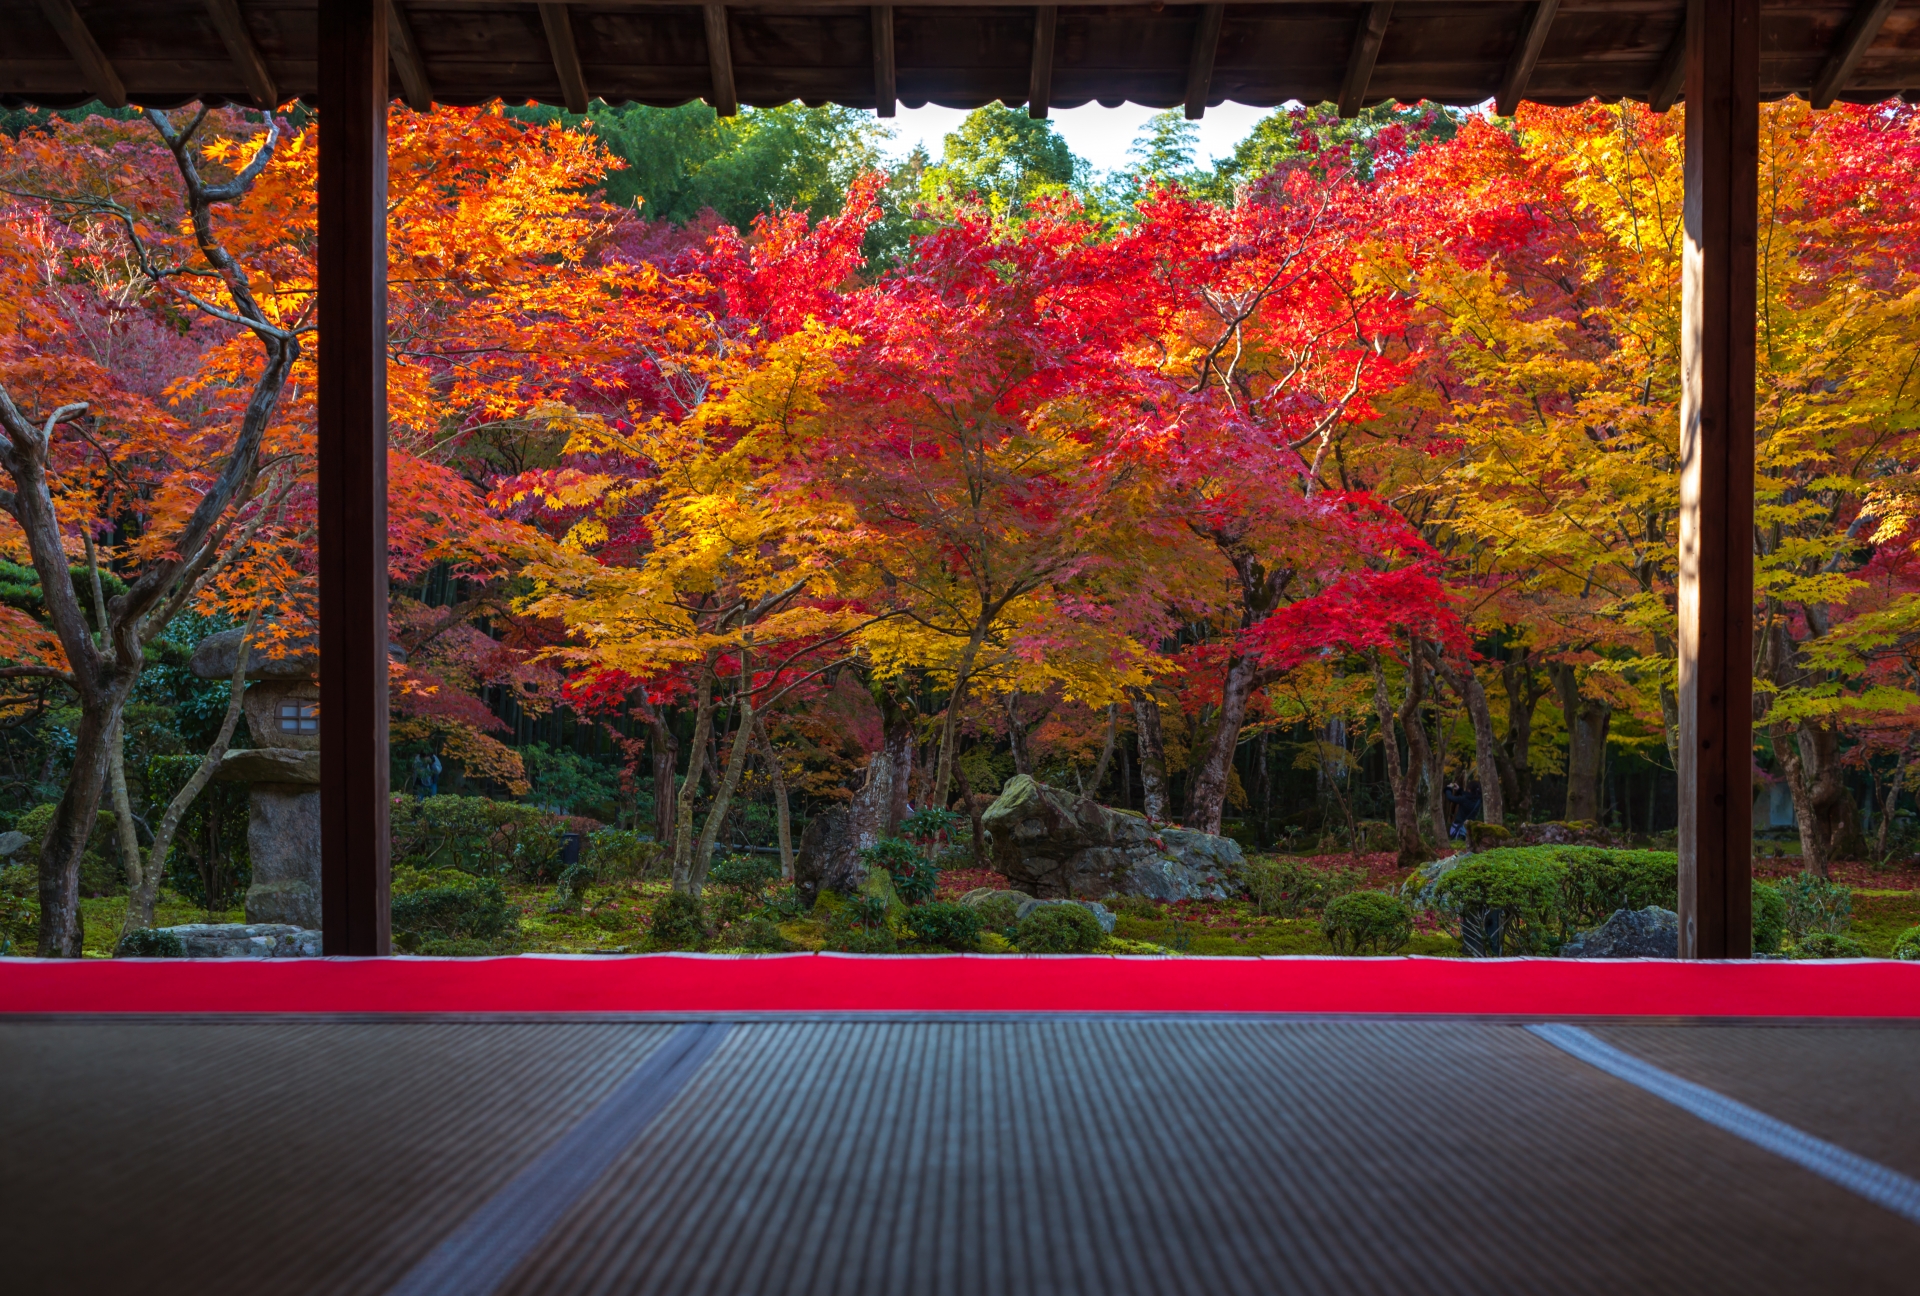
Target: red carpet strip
933, 984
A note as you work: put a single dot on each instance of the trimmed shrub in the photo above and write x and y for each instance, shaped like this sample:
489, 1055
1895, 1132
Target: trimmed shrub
1769, 919
446, 904
1504, 901
1362, 920
1826, 945
859, 926
1284, 887
1482, 835
914, 876
148, 943
678, 921
478, 835
1907, 944
620, 855
944, 923
998, 910
1599, 882
1815, 905
1058, 929
747, 874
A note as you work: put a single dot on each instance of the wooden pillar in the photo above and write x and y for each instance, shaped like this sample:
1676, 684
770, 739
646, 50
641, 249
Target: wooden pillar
1716, 478
352, 399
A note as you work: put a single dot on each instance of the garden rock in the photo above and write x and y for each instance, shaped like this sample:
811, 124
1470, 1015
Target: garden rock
828, 857
1576, 832
1059, 845
1103, 915
247, 940
1652, 932
11, 844
283, 839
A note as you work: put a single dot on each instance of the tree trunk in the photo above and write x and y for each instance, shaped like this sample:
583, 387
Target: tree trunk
1893, 800
782, 812
1153, 754
897, 731
1522, 696
1587, 722
1017, 735
1405, 782
1106, 752
690, 785
723, 793
62, 932
980, 859
1486, 747
1434, 761
123, 830
1207, 793
1810, 754
666, 766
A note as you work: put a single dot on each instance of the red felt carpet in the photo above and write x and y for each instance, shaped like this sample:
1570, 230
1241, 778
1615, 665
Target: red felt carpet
827, 983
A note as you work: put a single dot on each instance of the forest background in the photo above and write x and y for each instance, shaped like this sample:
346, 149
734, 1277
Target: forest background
1269, 497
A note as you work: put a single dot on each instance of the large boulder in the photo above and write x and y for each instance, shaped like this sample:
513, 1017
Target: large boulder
246, 940
829, 852
283, 840
1652, 932
1054, 844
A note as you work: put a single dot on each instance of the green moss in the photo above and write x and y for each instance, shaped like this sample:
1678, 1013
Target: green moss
1879, 917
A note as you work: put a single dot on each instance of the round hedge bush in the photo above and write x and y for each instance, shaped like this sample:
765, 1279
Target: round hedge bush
1058, 929
1361, 920
1826, 945
1769, 919
1907, 945
747, 873
679, 922
947, 924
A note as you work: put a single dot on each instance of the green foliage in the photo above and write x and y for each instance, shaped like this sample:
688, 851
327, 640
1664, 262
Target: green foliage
748, 874
1316, 135
1597, 882
146, 942
1815, 905
621, 855
20, 588
101, 872
1058, 929
1505, 901
1907, 944
679, 921
859, 925
1003, 157
568, 783
998, 911
17, 922
209, 863
448, 904
954, 926
928, 825
914, 876
1281, 886
477, 835
1363, 920
1769, 919
1827, 945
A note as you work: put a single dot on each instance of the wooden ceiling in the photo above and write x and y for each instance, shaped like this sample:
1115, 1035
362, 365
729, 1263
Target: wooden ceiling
962, 55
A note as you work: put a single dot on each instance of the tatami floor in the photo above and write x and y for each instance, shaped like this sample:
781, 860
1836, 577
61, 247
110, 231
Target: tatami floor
1037, 1155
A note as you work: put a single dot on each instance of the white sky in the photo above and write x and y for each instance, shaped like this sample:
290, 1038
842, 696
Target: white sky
1100, 135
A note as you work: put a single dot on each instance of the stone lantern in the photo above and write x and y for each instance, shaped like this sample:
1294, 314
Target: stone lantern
282, 773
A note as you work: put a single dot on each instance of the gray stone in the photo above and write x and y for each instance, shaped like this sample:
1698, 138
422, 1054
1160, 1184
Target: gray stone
262, 704
11, 844
283, 839
1102, 915
216, 656
247, 940
285, 766
829, 852
1058, 845
1652, 932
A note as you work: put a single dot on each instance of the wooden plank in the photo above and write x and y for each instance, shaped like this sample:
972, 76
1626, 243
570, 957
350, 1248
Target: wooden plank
1040, 79
885, 91
232, 26
1367, 36
566, 57
1717, 287
1513, 86
405, 53
1206, 43
725, 100
352, 396
1672, 75
1849, 50
94, 67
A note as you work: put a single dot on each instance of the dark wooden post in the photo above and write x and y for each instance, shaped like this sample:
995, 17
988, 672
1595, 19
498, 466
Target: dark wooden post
353, 476
1716, 478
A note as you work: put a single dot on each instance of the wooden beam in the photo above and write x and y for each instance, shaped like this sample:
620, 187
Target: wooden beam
885, 91
1672, 75
1720, 217
352, 419
566, 56
726, 100
414, 86
227, 20
99, 74
1361, 58
1040, 80
1849, 50
1206, 43
1513, 86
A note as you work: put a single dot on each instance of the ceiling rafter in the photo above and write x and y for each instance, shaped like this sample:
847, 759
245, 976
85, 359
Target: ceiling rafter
99, 73
566, 56
1040, 80
885, 89
1849, 50
232, 26
1513, 86
1672, 76
405, 53
726, 100
1206, 44
1367, 36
